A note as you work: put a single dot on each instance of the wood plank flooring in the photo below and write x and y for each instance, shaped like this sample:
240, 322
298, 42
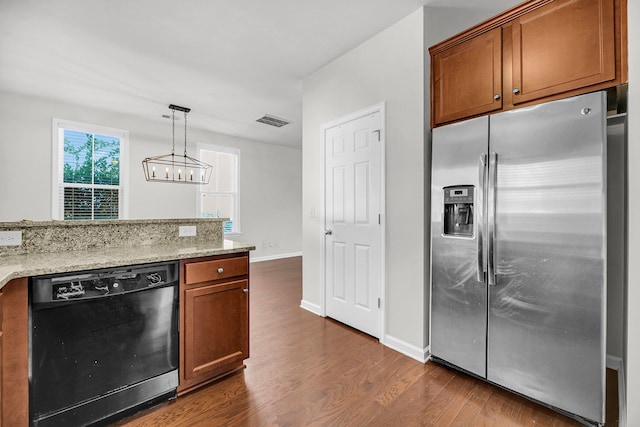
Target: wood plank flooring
305, 370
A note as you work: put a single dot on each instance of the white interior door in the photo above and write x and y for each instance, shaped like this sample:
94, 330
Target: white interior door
353, 216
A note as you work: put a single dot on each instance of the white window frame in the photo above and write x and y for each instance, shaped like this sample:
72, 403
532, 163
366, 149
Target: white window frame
58, 163
229, 150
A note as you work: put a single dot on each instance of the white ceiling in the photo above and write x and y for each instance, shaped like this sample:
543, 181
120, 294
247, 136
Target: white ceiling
230, 61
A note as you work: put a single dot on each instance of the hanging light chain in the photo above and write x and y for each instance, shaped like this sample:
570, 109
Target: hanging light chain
173, 132
185, 134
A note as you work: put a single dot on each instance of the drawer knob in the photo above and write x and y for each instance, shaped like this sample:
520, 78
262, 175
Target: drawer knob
516, 90
220, 270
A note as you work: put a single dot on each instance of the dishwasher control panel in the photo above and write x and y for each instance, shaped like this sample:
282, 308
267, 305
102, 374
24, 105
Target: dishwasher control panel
102, 283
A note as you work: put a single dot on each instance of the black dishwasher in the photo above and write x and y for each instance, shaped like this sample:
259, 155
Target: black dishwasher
103, 343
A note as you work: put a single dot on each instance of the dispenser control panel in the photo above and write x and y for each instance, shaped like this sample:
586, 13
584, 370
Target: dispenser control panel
458, 210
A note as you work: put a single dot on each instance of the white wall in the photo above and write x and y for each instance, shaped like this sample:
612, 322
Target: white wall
633, 296
387, 68
270, 181
391, 67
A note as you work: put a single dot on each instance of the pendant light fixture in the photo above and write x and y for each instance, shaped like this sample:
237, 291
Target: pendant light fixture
175, 168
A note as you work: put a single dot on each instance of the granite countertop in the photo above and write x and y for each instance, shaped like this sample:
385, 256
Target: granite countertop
35, 264
26, 223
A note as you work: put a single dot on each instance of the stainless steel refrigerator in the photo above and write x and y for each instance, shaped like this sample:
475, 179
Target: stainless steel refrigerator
518, 251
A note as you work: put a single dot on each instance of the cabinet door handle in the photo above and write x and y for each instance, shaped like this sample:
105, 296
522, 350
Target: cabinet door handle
220, 270
516, 90
245, 290
496, 97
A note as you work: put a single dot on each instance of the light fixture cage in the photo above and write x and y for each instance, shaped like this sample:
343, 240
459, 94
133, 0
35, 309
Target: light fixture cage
176, 168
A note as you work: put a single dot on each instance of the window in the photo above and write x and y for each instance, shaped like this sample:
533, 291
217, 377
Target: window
221, 197
89, 172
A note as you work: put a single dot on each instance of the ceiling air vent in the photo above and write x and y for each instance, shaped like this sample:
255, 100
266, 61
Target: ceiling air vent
273, 121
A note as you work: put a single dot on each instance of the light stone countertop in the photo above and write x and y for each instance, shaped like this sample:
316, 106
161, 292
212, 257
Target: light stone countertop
35, 264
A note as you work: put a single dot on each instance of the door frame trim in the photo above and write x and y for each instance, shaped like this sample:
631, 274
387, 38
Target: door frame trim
381, 108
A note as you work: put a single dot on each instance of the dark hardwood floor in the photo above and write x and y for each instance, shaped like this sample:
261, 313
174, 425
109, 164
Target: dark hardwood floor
305, 370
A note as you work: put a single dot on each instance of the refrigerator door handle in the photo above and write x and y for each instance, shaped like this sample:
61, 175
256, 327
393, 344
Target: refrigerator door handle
491, 220
482, 178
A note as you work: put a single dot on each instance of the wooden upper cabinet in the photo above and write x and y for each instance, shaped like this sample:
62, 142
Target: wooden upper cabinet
467, 79
563, 46
537, 51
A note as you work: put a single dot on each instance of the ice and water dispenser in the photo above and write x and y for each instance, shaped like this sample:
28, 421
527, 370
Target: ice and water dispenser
458, 211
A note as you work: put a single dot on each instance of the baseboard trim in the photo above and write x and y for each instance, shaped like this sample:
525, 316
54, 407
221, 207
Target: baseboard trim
313, 308
616, 363
417, 353
276, 256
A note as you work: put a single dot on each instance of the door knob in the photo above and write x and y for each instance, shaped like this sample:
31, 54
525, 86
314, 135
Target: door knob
516, 90
496, 97
245, 290
328, 232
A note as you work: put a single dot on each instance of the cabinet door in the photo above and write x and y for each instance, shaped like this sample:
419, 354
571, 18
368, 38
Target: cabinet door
1, 321
467, 78
566, 45
216, 328
15, 353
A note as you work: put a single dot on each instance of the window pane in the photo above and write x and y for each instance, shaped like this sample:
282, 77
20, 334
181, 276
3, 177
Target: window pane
105, 203
226, 173
106, 157
211, 158
219, 206
77, 203
89, 159
219, 198
77, 157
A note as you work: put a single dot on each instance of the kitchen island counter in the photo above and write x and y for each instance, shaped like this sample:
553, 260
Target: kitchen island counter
51, 247
35, 264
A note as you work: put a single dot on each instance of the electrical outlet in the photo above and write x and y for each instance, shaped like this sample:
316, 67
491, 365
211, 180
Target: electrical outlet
10, 238
186, 230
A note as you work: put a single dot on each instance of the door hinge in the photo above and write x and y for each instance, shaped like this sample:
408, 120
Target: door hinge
378, 302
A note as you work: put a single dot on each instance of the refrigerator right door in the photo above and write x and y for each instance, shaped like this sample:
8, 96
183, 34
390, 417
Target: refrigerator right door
546, 319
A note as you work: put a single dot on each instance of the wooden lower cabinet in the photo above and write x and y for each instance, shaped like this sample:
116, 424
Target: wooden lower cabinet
15, 353
214, 321
1, 340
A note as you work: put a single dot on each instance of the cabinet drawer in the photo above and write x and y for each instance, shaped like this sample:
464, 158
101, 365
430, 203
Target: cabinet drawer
205, 271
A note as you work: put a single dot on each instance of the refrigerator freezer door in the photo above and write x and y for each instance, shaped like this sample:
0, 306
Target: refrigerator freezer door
458, 298
546, 336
